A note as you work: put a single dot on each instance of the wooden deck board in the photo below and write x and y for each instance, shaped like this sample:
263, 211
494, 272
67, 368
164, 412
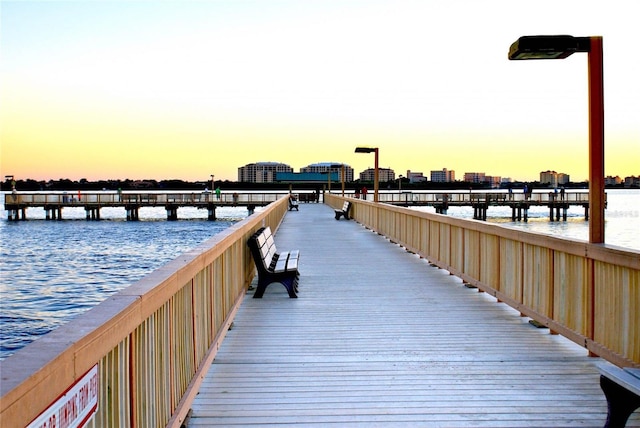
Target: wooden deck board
378, 337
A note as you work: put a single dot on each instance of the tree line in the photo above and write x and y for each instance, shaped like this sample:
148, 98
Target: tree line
180, 185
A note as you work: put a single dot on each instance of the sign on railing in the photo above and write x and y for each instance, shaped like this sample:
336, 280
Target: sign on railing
74, 407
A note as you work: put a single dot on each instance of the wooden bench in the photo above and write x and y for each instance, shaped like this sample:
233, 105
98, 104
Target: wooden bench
344, 211
273, 266
621, 387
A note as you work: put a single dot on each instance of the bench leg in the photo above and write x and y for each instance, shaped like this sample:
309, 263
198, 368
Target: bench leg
621, 403
260, 289
291, 284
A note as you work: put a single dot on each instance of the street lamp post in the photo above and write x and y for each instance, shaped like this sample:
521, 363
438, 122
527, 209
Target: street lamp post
558, 47
212, 186
375, 171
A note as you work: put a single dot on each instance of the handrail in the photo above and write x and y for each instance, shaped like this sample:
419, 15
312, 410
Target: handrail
71, 199
459, 198
152, 341
589, 293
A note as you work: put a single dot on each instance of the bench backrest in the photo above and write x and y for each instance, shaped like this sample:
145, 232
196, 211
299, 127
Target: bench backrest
345, 207
263, 246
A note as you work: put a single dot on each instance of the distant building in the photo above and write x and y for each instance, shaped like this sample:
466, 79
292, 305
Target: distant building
415, 177
494, 181
323, 167
632, 181
261, 172
554, 179
443, 176
563, 178
307, 177
474, 177
613, 181
384, 175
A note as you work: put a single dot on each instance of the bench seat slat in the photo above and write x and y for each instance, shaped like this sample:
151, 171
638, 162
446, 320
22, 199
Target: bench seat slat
281, 266
292, 264
289, 254
629, 378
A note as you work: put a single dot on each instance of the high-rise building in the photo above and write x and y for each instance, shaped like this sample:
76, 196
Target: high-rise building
415, 177
474, 177
494, 181
563, 178
261, 172
554, 179
384, 175
324, 167
613, 181
443, 176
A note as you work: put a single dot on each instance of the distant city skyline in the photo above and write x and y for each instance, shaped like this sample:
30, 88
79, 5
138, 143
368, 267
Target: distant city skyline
266, 171
247, 173
182, 90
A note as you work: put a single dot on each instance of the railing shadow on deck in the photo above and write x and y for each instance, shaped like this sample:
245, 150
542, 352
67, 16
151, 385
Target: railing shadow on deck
152, 341
589, 293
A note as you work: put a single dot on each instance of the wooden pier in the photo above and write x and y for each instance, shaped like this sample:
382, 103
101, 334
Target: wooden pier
558, 203
16, 204
387, 330
387, 339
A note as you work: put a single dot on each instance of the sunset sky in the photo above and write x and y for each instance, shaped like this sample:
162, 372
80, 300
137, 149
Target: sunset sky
181, 89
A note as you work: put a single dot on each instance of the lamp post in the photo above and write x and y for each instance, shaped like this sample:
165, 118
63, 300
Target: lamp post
558, 47
375, 171
212, 186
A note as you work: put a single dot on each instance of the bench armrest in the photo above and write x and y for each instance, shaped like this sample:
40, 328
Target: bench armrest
628, 378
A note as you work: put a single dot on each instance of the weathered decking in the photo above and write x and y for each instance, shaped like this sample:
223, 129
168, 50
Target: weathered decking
378, 337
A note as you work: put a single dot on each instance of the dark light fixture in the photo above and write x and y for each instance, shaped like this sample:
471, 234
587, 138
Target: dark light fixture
365, 150
548, 47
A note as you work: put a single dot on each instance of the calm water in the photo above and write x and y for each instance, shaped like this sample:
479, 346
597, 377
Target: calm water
53, 270
622, 220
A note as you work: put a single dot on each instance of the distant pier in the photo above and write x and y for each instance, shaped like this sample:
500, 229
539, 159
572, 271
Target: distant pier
558, 203
16, 204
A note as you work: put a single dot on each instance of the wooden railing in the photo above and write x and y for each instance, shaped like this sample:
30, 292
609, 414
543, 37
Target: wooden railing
116, 199
459, 198
589, 293
152, 341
